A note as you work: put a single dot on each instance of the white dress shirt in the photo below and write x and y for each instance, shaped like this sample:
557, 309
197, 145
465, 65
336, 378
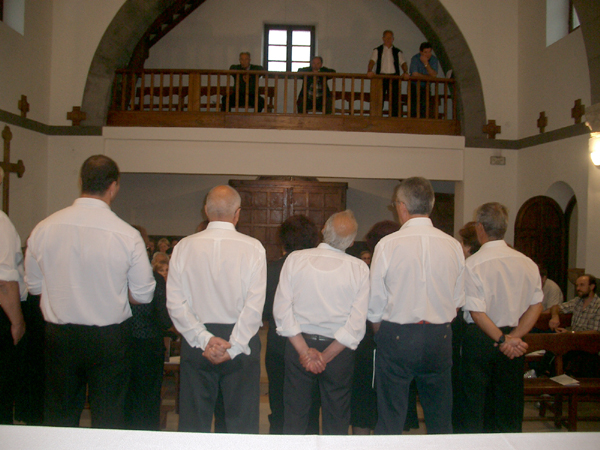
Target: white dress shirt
387, 60
552, 294
11, 257
83, 260
217, 276
502, 283
323, 291
417, 273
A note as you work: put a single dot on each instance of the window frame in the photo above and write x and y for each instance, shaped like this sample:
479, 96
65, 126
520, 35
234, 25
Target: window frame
289, 29
572, 13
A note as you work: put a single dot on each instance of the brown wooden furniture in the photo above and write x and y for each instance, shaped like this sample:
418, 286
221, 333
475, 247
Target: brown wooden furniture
560, 344
171, 370
267, 203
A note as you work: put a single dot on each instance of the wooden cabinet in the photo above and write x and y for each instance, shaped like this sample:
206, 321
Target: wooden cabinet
267, 203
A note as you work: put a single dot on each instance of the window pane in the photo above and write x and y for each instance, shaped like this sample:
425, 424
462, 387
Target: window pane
275, 66
278, 37
298, 65
300, 37
277, 53
300, 53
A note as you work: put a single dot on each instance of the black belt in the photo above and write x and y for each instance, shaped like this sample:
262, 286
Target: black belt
317, 337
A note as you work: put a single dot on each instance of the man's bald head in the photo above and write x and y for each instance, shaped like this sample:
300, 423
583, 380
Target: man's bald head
340, 230
222, 204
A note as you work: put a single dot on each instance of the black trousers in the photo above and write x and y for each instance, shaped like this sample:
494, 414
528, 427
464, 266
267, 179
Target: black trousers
238, 379
10, 357
395, 94
490, 381
334, 386
275, 365
77, 355
142, 403
415, 351
318, 104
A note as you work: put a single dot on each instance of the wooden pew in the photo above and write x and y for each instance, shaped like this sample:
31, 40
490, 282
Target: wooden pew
560, 344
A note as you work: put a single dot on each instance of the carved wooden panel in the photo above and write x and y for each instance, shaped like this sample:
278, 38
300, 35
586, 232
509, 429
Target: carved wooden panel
266, 204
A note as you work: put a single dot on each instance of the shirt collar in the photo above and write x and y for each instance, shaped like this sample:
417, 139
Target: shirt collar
90, 202
325, 246
417, 222
221, 225
497, 243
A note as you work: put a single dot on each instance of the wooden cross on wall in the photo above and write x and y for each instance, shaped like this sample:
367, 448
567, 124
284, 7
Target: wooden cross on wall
542, 122
577, 111
492, 129
8, 167
23, 106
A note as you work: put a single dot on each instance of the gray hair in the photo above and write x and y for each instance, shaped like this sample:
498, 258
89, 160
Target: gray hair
340, 230
417, 195
222, 202
494, 219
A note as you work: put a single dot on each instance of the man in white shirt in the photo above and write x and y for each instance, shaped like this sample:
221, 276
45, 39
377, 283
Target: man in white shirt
321, 306
552, 293
12, 324
416, 287
388, 60
503, 301
88, 265
215, 296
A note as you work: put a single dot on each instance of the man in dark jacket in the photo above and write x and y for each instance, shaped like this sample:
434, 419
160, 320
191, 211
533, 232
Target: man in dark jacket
312, 94
244, 84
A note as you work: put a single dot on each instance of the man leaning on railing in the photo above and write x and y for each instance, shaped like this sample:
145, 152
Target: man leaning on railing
322, 89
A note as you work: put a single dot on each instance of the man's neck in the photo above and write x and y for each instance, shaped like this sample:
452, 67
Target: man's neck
588, 299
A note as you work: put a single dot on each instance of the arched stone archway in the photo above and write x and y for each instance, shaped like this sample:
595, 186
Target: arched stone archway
135, 16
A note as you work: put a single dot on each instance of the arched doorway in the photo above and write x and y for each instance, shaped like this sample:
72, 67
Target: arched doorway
541, 234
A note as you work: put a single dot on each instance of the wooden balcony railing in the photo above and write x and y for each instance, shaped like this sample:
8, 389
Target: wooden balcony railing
219, 98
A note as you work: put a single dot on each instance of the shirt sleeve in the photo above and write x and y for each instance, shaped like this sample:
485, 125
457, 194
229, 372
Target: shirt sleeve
178, 304
283, 309
401, 59
374, 55
459, 288
140, 279
568, 307
433, 62
474, 293
9, 253
378, 297
250, 318
555, 297
33, 272
414, 65
353, 330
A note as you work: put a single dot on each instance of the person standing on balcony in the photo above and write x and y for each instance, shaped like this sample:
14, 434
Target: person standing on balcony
388, 60
322, 90
425, 66
244, 83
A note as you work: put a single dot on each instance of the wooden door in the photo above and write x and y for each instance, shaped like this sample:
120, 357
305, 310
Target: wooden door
266, 204
540, 233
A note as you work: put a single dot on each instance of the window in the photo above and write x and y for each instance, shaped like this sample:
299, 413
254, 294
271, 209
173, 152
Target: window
288, 47
573, 17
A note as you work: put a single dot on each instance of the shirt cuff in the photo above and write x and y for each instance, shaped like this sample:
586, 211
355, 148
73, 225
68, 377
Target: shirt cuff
346, 339
290, 332
475, 304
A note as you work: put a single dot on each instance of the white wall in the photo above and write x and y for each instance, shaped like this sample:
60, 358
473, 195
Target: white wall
550, 78
346, 32
27, 195
25, 62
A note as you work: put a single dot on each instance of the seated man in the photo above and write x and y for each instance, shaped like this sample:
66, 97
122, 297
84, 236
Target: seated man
422, 65
321, 306
316, 65
586, 318
247, 84
552, 293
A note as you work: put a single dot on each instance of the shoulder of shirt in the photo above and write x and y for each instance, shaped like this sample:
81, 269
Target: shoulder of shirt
485, 254
256, 67
229, 234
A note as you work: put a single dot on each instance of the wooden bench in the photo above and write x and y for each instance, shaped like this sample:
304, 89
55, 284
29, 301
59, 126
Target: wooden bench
560, 344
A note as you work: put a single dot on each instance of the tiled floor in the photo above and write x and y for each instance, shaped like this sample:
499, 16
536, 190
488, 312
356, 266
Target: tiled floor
531, 424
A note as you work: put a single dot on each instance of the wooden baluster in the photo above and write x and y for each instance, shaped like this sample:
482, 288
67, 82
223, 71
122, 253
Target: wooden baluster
179, 96
256, 89
333, 91
219, 92
152, 91
454, 117
143, 92
352, 96
446, 100
343, 96
408, 99
295, 93
285, 93
377, 97
170, 90
208, 93
362, 96
314, 96
275, 94
305, 94
161, 93
194, 92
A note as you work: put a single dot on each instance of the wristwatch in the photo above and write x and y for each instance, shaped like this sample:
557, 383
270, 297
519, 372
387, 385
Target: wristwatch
501, 340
